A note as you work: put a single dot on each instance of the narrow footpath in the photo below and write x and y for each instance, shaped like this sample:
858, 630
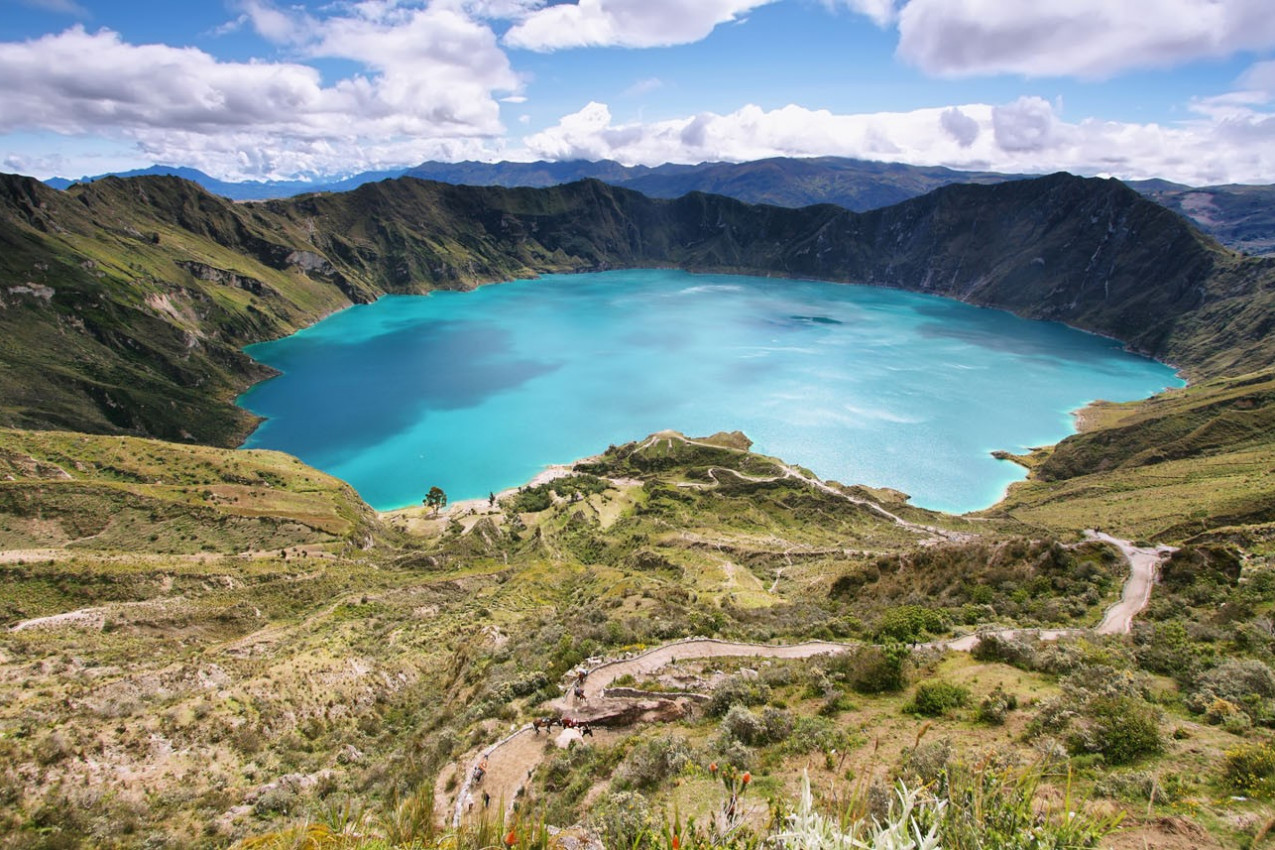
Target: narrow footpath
512, 761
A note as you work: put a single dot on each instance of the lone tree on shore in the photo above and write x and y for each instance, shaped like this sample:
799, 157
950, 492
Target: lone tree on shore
435, 498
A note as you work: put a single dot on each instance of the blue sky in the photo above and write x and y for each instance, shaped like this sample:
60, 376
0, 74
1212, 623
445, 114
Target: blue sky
259, 89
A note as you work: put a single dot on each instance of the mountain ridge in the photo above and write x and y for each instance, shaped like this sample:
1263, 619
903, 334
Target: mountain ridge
152, 285
1237, 215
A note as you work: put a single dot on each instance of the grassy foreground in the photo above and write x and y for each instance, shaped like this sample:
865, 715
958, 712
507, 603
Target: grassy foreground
302, 670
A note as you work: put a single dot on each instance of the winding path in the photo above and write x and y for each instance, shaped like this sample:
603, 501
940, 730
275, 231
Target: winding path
791, 472
512, 760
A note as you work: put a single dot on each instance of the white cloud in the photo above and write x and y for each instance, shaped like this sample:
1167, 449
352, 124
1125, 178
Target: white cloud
881, 12
429, 87
959, 126
1027, 124
1087, 38
624, 23
1024, 136
1261, 76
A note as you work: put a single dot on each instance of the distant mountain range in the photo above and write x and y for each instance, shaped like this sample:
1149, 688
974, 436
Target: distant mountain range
1240, 217
857, 185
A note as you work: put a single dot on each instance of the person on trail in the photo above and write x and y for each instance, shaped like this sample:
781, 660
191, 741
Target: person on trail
480, 771
486, 799
579, 692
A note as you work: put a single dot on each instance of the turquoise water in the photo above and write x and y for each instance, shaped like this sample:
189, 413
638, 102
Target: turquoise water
479, 391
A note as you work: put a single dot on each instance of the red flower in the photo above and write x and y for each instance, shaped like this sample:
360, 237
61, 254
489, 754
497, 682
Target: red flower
511, 839
712, 768
677, 844
748, 777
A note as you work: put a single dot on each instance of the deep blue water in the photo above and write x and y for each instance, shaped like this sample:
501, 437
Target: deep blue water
478, 391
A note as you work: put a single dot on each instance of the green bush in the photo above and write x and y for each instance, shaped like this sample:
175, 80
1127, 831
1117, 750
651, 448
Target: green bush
815, 733
1005, 650
1120, 729
653, 761
878, 669
622, 819
996, 706
1246, 683
1249, 769
936, 698
772, 726
736, 690
908, 623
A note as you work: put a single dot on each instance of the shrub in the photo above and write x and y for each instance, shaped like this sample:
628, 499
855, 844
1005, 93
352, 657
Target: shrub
996, 706
652, 761
815, 733
926, 762
1246, 683
1100, 680
772, 726
742, 725
1121, 729
1167, 649
1250, 769
873, 669
622, 819
1005, 650
908, 623
936, 698
736, 690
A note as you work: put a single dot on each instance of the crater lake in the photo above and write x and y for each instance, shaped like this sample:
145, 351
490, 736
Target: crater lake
478, 391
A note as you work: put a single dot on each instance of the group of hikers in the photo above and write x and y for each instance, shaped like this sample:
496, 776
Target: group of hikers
584, 727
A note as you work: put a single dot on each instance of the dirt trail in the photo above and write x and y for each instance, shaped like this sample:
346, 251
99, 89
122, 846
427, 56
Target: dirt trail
653, 659
1137, 588
790, 472
512, 761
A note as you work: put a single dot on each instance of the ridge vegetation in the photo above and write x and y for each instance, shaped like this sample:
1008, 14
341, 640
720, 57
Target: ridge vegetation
126, 302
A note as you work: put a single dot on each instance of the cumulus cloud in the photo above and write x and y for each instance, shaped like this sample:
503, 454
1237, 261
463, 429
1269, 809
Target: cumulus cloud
959, 126
1025, 136
430, 83
1027, 124
624, 23
1087, 38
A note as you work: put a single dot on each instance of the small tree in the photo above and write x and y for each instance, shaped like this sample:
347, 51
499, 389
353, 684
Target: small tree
435, 499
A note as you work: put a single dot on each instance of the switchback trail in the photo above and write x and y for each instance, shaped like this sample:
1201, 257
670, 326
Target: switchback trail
512, 760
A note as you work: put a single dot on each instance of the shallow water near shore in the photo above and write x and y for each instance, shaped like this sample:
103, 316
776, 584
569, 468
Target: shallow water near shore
478, 391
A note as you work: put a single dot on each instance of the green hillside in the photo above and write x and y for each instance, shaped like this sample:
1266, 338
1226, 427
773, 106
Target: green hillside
208, 648
126, 301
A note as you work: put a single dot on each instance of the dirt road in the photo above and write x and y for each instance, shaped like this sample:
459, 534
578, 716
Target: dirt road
512, 761
1143, 563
